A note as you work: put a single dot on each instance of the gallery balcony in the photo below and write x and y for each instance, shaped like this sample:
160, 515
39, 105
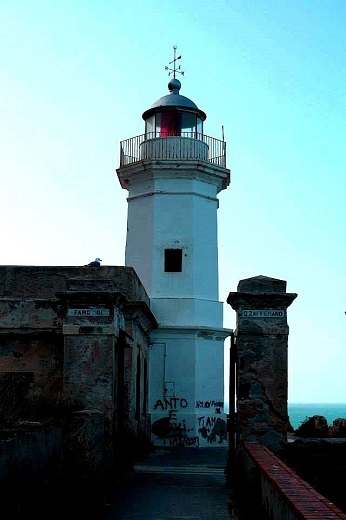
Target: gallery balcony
187, 146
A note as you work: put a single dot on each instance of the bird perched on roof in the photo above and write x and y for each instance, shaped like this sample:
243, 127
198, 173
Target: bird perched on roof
95, 263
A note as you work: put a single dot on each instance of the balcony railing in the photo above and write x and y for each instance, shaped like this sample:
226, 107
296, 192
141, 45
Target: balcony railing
186, 146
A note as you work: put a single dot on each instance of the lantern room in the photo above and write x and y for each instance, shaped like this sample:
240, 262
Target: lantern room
174, 115
173, 131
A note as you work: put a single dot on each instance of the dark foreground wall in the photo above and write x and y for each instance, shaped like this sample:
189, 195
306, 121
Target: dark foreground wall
276, 491
29, 457
322, 463
62, 472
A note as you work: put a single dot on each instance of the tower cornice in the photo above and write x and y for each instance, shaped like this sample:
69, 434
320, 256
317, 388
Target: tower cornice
165, 169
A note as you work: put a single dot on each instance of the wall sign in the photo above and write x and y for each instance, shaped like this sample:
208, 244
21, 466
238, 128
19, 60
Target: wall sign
90, 285
263, 313
90, 311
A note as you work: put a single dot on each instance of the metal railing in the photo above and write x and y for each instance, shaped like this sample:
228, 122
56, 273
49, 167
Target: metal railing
187, 146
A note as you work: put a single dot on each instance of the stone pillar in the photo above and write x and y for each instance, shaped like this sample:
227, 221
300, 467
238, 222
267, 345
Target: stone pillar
261, 358
91, 328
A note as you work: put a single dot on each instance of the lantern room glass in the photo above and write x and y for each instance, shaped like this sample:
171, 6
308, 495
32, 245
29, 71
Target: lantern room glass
150, 127
174, 123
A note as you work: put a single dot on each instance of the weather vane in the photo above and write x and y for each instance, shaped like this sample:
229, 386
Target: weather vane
175, 69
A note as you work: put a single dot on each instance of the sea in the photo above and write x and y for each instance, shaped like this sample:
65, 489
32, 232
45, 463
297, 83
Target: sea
299, 412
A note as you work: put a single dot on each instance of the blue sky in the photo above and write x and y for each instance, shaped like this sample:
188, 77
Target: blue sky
75, 78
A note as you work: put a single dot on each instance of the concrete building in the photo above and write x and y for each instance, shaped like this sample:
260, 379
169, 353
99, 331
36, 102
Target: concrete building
173, 174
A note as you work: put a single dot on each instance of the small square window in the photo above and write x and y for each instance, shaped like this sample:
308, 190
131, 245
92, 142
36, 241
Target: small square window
173, 260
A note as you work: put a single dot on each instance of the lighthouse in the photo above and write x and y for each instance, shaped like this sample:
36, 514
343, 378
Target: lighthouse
173, 173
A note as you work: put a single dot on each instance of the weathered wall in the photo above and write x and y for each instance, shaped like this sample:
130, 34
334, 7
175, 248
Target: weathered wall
76, 336
48, 332
20, 281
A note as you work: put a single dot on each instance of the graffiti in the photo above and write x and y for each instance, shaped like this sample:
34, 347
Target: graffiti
170, 430
172, 403
212, 429
175, 433
184, 441
207, 422
209, 404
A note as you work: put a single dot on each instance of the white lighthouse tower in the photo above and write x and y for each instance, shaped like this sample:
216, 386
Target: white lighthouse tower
173, 174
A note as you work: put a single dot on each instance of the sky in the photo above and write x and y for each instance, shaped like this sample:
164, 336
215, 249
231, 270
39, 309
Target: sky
75, 78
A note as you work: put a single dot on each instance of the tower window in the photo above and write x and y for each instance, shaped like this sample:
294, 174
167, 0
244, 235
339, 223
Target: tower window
173, 260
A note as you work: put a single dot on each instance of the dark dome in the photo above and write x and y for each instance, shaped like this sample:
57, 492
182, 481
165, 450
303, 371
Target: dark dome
174, 100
